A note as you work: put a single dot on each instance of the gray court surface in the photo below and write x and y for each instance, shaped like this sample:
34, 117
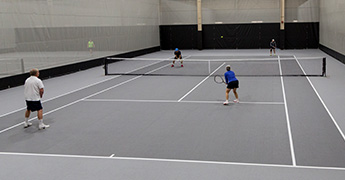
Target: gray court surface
176, 127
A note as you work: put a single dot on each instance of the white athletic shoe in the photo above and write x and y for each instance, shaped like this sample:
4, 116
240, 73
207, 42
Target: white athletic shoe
236, 101
226, 102
26, 125
43, 126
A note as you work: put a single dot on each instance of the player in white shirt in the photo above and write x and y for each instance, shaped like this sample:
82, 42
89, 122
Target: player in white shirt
33, 92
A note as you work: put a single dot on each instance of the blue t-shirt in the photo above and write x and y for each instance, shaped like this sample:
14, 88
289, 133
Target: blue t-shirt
229, 76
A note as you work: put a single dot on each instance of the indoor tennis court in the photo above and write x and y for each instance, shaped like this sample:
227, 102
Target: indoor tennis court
121, 111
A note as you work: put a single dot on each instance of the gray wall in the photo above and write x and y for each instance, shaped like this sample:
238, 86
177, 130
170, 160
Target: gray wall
237, 11
65, 25
7, 38
302, 10
48, 33
332, 24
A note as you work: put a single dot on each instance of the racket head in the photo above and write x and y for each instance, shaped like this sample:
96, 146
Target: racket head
218, 79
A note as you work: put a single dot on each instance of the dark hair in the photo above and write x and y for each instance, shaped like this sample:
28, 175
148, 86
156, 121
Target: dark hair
228, 68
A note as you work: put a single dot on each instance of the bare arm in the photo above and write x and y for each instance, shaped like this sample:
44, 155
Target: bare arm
41, 92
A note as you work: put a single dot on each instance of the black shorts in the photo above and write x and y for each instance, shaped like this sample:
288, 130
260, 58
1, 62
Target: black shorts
33, 105
233, 84
178, 58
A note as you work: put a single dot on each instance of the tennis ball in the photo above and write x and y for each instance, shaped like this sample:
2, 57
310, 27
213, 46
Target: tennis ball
221, 36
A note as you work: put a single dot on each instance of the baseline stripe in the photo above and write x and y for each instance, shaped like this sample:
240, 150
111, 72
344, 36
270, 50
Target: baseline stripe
170, 160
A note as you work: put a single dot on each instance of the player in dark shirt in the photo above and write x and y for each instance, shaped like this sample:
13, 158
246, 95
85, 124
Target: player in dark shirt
273, 46
178, 55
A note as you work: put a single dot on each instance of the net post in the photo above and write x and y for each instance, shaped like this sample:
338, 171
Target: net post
105, 66
324, 67
209, 67
22, 65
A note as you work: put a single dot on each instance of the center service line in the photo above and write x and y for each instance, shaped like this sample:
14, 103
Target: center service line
200, 83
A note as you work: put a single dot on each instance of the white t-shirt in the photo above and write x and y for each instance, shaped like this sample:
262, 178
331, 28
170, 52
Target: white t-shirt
32, 88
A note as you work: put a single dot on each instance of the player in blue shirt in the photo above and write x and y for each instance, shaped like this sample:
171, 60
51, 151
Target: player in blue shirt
232, 82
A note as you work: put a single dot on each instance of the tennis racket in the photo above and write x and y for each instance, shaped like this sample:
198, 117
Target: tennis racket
219, 79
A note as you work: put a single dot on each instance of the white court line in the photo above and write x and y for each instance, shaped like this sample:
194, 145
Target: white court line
292, 149
74, 102
6, 114
129, 100
171, 160
323, 103
158, 69
174, 101
200, 83
186, 57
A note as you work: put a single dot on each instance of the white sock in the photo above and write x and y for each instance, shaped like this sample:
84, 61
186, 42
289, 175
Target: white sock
40, 121
26, 120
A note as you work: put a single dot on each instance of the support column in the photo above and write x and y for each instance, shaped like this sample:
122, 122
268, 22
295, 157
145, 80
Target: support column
199, 13
282, 25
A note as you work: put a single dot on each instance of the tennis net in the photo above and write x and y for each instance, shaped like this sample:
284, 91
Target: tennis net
270, 66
